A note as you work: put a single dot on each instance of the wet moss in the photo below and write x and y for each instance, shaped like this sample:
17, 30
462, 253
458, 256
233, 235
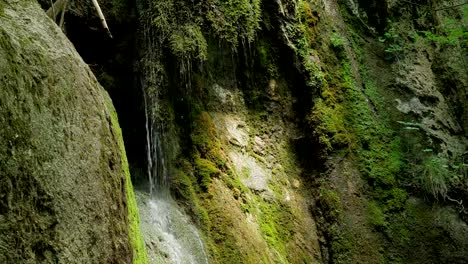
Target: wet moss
205, 171
234, 20
277, 225
205, 138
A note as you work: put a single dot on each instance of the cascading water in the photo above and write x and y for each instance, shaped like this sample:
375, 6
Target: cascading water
169, 235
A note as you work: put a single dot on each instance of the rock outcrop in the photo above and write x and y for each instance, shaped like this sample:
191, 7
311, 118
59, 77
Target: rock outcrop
65, 191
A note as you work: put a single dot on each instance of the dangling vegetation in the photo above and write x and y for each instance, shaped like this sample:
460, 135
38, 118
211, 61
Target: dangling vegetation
181, 24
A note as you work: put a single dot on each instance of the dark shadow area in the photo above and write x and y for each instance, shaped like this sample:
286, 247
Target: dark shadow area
112, 61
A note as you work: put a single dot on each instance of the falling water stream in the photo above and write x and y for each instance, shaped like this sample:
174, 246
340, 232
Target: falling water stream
169, 234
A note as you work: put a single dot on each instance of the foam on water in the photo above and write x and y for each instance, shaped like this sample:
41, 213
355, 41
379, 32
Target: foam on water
168, 232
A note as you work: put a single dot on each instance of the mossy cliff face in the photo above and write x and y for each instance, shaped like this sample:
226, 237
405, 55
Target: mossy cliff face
326, 109
66, 195
294, 131
394, 148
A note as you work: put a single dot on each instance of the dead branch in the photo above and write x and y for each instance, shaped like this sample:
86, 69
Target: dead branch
101, 17
55, 9
62, 18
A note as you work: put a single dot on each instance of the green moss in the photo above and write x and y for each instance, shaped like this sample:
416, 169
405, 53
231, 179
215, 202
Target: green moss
277, 225
232, 20
375, 216
233, 182
179, 28
344, 117
186, 188
230, 244
263, 54
351, 115
205, 171
205, 138
267, 59
328, 118
180, 24
183, 185
304, 36
209, 158
337, 42
136, 240
330, 202
342, 244
379, 149
188, 41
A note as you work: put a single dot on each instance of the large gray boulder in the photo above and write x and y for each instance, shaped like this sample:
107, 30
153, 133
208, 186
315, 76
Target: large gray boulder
65, 195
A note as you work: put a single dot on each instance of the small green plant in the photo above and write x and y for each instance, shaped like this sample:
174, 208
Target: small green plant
440, 173
436, 176
337, 41
449, 32
392, 40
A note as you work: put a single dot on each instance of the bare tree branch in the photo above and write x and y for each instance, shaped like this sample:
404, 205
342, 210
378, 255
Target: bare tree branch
101, 16
55, 9
62, 18
60, 6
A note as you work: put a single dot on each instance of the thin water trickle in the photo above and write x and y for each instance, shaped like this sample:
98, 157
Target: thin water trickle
148, 143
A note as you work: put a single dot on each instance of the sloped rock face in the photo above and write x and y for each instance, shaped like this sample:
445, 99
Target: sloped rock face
62, 182
379, 209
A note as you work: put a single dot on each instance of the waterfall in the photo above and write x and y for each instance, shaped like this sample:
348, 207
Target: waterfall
151, 83
149, 159
168, 231
169, 234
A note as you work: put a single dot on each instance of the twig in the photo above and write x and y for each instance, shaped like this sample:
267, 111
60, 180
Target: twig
53, 9
460, 203
62, 18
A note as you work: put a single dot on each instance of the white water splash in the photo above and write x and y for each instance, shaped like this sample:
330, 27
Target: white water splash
169, 235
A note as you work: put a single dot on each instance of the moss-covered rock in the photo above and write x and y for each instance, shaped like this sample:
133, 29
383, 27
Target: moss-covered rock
66, 195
